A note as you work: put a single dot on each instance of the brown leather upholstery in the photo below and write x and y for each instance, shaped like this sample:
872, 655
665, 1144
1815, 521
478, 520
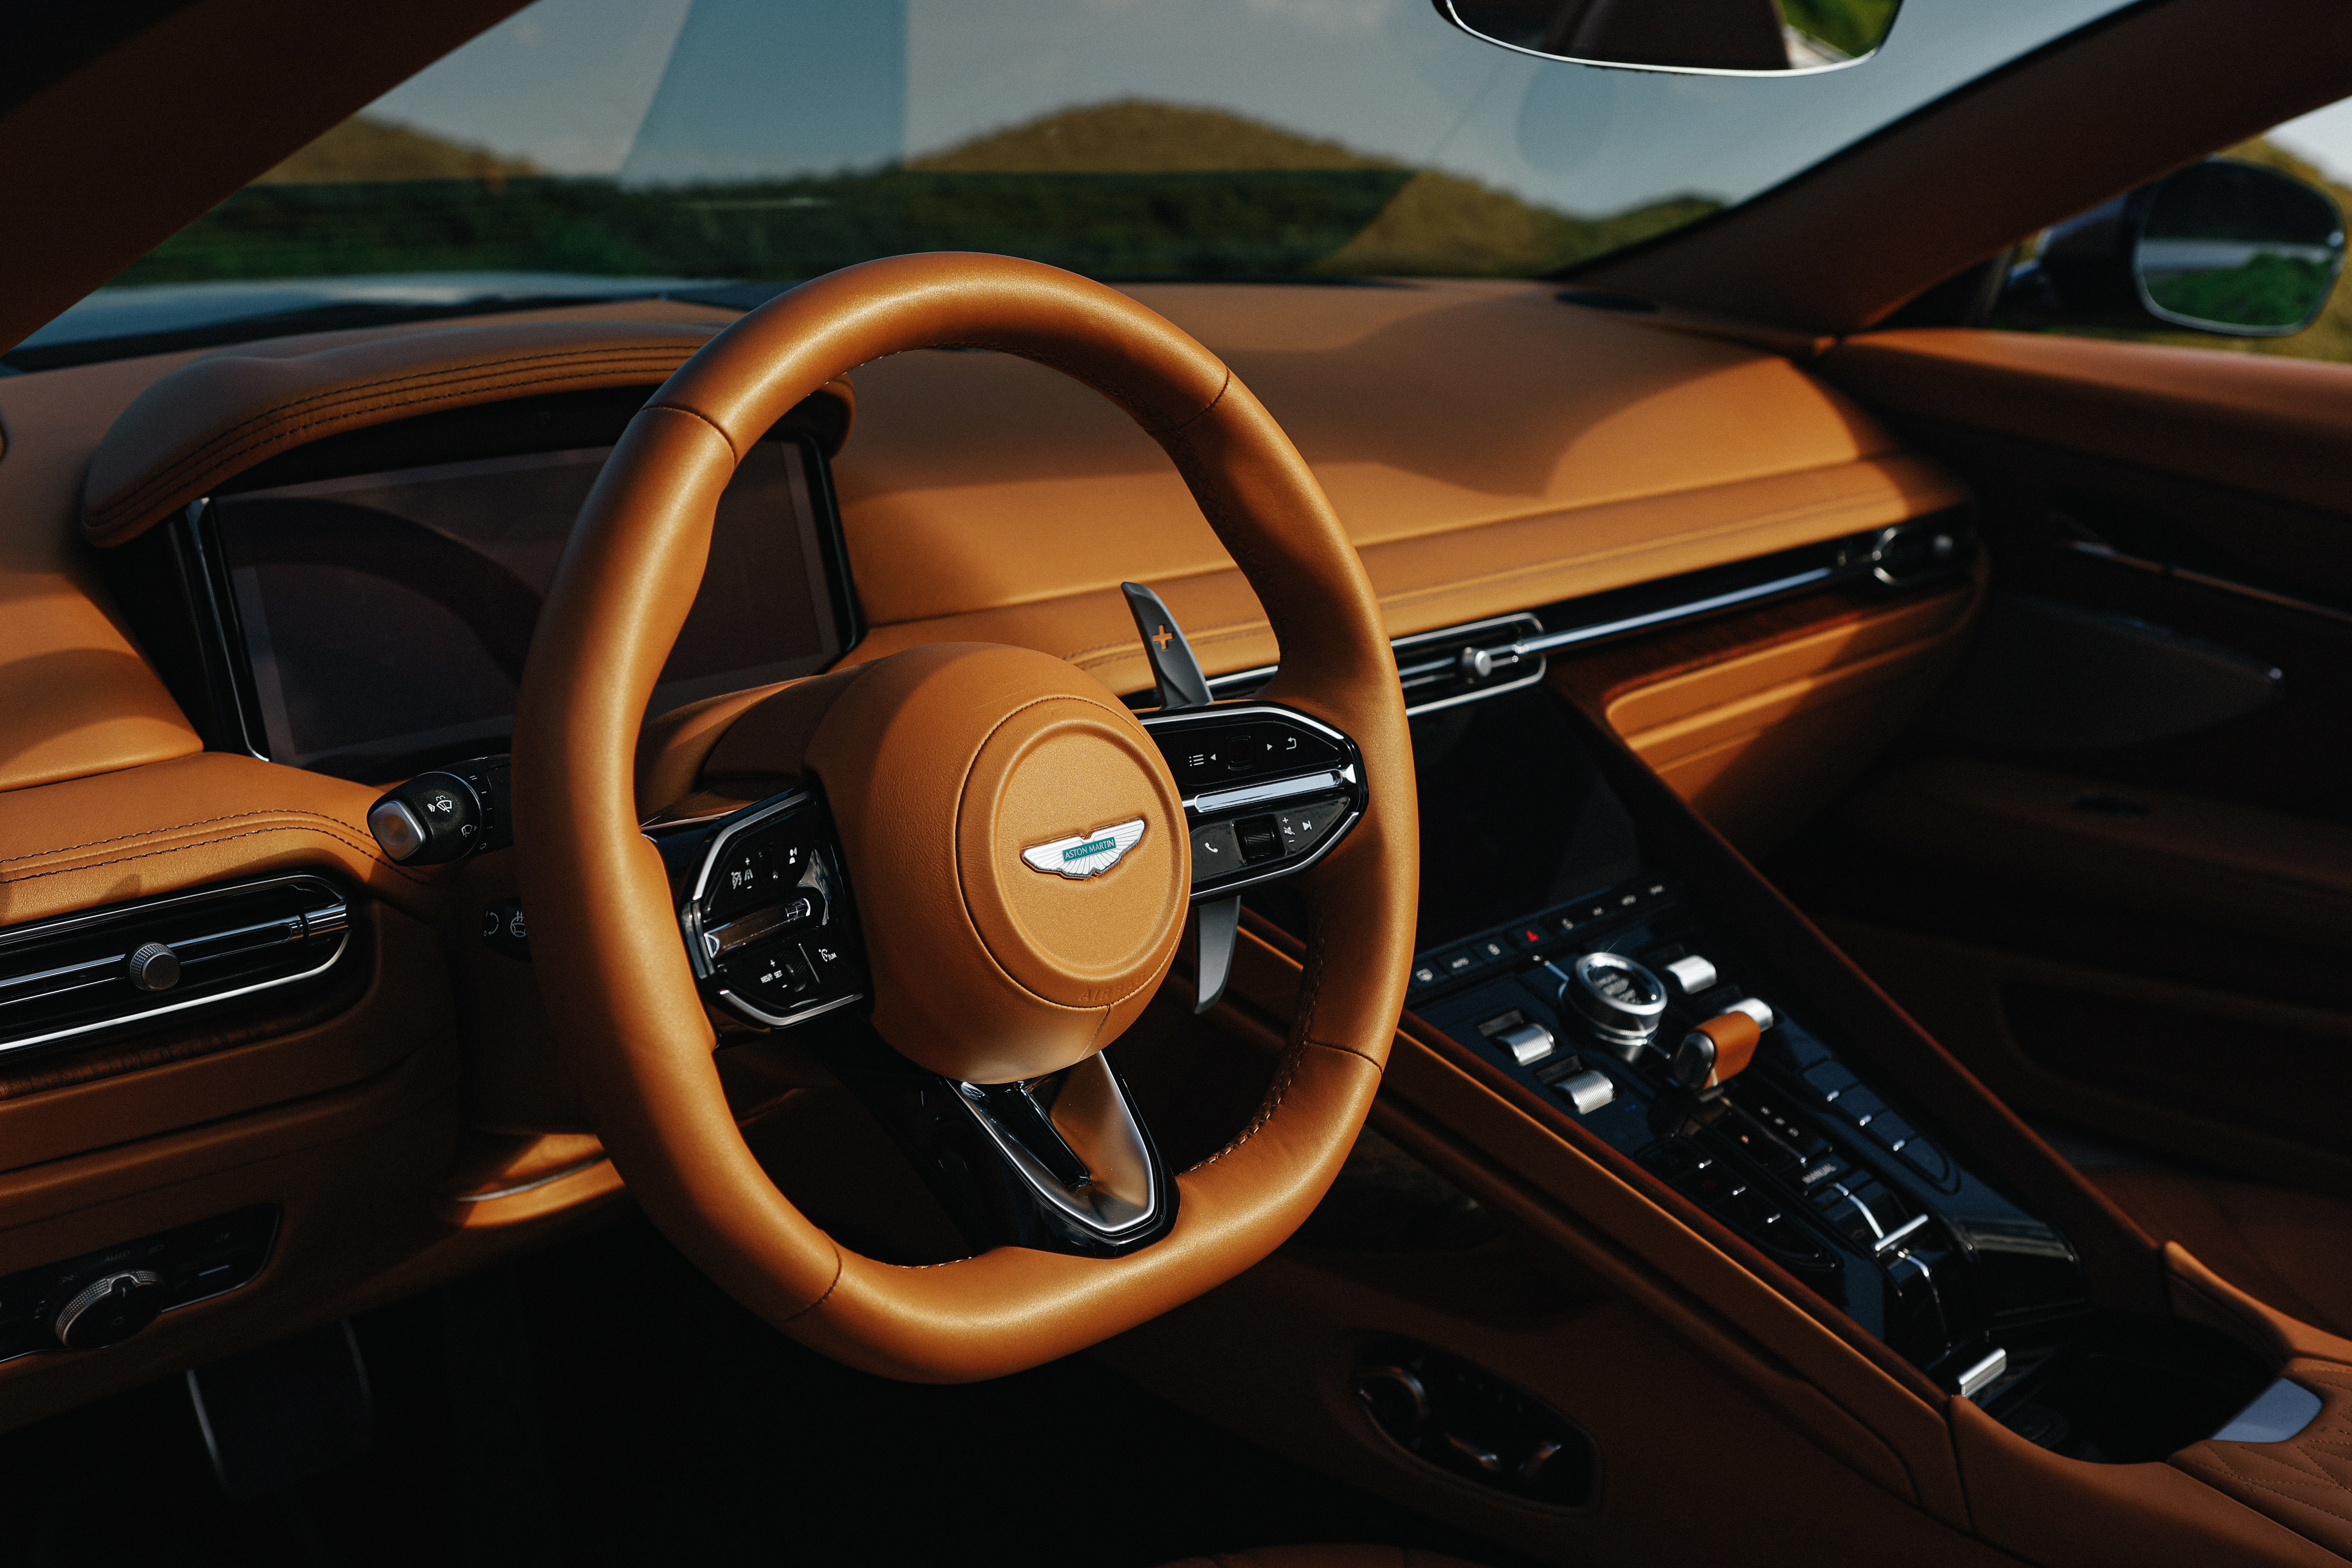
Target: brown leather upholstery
602, 932
2279, 427
2305, 1482
985, 498
1324, 1557
211, 420
983, 969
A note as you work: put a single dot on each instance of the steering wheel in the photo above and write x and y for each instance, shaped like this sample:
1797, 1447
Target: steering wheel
976, 792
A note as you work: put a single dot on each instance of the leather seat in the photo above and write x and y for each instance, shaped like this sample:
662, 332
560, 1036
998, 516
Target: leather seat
1324, 1557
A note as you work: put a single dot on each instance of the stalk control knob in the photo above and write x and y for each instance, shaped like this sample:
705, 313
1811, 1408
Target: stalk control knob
433, 818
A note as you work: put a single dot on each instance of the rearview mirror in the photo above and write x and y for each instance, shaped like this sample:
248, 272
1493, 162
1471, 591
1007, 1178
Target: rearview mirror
1701, 38
2220, 246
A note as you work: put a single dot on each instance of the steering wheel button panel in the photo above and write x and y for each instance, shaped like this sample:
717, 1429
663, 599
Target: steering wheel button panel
1267, 791
760, 899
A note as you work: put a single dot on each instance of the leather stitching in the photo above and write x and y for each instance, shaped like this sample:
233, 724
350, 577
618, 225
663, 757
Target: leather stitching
2319, 1480
1108, 652
2313, 1471
367, 850
839, 1271
179, 828
264, 429
1274, 1094
1277, 1092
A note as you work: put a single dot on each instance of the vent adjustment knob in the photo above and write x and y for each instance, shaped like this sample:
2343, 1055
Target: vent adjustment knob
151, 966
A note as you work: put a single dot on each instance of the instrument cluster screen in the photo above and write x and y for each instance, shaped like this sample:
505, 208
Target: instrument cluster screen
384, 617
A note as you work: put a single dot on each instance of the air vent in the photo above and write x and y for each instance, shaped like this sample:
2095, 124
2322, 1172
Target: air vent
1465, 663
1461, 664
62, 981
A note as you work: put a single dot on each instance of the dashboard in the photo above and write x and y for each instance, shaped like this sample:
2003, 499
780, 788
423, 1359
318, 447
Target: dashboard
282, 638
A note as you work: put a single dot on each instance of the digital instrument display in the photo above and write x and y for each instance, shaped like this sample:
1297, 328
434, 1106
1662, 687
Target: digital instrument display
384, 617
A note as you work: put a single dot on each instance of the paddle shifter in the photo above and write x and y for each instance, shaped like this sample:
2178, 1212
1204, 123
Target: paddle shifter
1267, 790
1181, 686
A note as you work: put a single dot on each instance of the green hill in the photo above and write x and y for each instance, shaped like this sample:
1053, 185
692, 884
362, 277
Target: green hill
1123, 189
366, 149
1434, 224
1137, 136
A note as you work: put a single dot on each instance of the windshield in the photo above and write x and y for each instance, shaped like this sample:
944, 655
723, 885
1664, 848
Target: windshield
588, 148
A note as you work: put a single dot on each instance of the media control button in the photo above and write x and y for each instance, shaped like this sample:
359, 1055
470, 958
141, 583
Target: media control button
1858, 1105
1830, 1079
1215, 851
1303, 827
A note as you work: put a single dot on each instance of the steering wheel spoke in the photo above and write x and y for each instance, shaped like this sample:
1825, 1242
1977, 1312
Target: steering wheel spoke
1057, 1164
764, 906
1060, 1162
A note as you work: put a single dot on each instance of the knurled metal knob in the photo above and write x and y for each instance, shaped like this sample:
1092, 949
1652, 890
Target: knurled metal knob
110, 1309
151, 966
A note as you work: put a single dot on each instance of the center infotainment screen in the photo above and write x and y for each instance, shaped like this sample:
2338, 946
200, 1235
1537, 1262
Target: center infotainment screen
385, 616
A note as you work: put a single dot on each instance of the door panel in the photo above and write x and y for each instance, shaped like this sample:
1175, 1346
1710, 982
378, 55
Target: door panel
2134, 911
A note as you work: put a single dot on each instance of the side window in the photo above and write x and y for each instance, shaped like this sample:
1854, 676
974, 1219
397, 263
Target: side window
2271, 283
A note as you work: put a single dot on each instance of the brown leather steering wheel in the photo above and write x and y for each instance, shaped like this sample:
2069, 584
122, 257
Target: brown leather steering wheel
942, 764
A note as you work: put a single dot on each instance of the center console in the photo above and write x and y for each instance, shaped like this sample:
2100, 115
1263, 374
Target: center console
1645, 1021
1595, 952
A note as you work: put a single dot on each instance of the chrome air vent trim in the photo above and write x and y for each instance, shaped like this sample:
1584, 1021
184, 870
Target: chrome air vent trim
64, 979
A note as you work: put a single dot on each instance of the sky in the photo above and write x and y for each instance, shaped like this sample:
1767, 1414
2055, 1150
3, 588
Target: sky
2324, 136
787, 87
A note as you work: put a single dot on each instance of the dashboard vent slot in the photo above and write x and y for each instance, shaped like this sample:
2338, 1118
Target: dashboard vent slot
62, 981
1462, 663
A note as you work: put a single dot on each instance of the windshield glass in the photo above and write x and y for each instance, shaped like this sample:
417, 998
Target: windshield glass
626, 147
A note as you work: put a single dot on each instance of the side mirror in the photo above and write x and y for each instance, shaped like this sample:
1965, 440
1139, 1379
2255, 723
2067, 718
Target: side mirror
1699, 38
2220, 246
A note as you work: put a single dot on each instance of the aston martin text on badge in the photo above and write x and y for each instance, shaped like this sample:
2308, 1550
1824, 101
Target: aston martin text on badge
1086, 854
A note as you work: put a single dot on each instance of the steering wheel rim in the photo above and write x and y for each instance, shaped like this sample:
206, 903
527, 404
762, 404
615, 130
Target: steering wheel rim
604, 938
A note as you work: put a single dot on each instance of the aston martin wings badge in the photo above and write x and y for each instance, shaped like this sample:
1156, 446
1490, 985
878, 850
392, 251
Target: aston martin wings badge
1086, 854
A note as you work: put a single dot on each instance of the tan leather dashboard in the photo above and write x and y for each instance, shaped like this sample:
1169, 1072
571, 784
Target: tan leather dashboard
1487, 447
